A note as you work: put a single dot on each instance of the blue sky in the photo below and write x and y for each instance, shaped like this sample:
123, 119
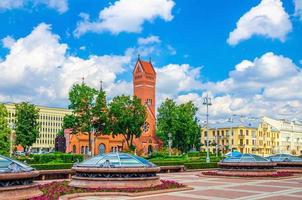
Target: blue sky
195, 46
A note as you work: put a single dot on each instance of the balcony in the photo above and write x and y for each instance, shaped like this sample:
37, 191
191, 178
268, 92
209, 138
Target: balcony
241, 136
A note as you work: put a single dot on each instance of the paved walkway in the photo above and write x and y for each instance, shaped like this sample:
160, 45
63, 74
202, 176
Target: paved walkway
224, 188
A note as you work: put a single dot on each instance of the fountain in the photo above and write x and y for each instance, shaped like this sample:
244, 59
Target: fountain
287, 163
16, 180
245, 165
115, 170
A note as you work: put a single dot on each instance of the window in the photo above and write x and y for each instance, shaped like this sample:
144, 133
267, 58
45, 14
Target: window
247, 132
247, 142
149, 102
241, 132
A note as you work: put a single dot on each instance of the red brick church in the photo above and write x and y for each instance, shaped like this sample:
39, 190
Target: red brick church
144, 87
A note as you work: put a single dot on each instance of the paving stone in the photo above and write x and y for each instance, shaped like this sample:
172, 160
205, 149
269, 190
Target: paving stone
222, 193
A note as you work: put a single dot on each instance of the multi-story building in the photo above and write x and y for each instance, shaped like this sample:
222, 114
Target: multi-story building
290, 135
50, 120
247, 135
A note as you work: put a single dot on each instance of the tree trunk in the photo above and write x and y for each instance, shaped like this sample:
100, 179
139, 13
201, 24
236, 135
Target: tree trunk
89, 143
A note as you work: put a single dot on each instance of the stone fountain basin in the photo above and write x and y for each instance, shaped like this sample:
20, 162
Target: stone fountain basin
116, 170
18, 175
115, 182
293, 164
247, 164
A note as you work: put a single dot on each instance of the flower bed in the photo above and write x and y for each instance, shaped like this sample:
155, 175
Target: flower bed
54, 190
247, 174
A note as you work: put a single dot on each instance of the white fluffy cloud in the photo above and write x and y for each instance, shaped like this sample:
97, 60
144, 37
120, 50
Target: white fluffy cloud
59, 5
8, 41
268, 19
267, 85
298, 8
126, 16
148, 40
39, 67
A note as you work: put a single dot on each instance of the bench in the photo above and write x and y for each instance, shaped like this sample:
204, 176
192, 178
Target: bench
55, 174
173, 168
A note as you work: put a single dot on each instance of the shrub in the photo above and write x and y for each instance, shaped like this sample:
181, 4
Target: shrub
51, 166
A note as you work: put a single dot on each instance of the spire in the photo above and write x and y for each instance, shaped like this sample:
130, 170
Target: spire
138, 56
150, 60
101, 85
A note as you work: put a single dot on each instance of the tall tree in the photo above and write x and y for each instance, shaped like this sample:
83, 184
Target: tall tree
4, 131
127, 116
181, 122
27, 126
166, 119
89, 111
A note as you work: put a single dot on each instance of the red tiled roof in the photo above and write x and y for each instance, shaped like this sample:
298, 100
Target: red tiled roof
147, 66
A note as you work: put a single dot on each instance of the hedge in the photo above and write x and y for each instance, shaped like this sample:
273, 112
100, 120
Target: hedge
188, 165
52, 166
52, 157
201, 165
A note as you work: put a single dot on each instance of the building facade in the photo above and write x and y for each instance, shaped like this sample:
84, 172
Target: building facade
247, 135
50, 121
144, 87
290, 135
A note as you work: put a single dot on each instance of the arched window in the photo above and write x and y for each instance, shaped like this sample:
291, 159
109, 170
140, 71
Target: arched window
101, 149
82, 149
74, 149
86, 150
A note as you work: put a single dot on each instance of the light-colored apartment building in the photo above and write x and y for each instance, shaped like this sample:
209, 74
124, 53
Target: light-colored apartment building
290, 135
247, 135
50, 120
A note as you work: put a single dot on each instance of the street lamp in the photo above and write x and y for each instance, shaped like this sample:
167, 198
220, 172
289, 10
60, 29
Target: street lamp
12, 127
170, 142
207, 102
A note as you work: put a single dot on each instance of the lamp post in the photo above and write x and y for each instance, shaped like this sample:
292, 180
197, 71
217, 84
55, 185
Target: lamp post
170, 142
12, 127
207, 102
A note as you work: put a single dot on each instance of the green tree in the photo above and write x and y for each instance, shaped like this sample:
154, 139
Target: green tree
181, 122
89, 111
4, 131
127, 116
166, 119
27, 126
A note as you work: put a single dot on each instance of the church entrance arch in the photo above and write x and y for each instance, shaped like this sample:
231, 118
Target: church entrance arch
150, 149
101, 149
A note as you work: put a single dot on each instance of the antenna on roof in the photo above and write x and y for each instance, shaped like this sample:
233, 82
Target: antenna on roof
150, 60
